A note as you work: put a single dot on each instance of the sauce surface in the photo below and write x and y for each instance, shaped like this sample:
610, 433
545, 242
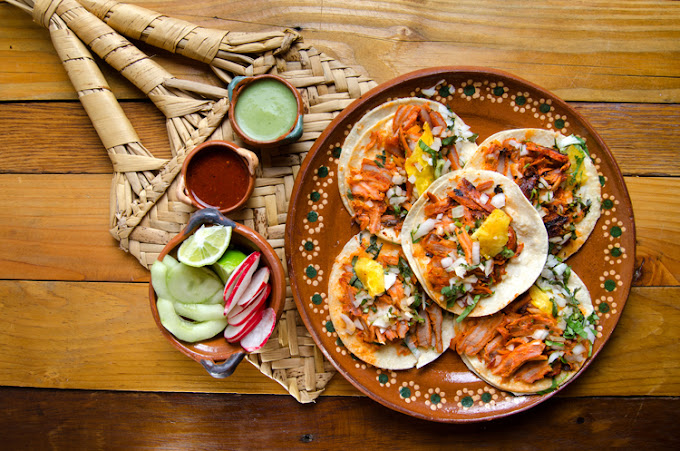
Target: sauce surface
217, 177
265, 110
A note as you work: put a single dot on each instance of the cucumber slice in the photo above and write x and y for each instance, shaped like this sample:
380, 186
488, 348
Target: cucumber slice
186, 330
218, 298
192, 285
200, 312
159, 279
169, 261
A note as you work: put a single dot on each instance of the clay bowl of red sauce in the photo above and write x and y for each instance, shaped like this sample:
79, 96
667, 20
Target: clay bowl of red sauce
217, 174
219, 357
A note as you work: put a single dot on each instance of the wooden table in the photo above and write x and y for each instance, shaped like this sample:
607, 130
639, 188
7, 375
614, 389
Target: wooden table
82, 364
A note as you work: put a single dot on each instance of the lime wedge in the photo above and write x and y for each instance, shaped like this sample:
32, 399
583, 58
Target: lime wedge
205, 246
228, 263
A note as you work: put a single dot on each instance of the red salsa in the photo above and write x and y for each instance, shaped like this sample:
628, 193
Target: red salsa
217, 177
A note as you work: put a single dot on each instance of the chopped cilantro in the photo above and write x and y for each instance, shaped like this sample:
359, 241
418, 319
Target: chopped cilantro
404, 268
469, 308
553, 387
473, 138
448, 140
507, 253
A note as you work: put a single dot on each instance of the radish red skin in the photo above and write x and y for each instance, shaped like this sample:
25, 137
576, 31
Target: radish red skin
257, 283
240, 314
234, 333
260, 334
234, 290
237, 278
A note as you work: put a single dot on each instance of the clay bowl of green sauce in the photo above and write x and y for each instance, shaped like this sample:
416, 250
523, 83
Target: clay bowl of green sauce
265, 110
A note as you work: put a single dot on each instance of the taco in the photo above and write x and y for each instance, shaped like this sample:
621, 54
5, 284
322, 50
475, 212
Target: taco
393, 154
536, 343
378, 309
555, 173
474, 242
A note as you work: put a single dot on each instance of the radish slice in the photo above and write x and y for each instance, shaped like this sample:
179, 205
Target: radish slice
244, 314
261, 333
239, 281
235, 333
257, 283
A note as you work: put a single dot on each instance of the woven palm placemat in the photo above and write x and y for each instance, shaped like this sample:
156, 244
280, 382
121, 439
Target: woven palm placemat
327, 86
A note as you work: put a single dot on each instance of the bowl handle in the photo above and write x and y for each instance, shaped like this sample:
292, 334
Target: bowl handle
208, 216
222, 370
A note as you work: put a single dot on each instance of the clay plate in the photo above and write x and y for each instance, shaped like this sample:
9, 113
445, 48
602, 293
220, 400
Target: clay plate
488, 101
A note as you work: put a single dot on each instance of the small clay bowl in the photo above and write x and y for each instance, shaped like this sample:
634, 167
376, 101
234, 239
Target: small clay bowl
264, 102
217, 174
219, 357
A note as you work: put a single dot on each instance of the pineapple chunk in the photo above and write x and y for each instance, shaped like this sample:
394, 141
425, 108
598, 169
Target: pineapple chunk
492, 235
540, 300
371, 274
577, 173
425, 176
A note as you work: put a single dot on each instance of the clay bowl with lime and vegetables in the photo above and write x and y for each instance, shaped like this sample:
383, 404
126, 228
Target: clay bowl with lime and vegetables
217, 290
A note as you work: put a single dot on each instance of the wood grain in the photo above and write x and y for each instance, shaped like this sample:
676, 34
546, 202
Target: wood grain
102, 336
630, 131
602, 51
58, 419
63, 233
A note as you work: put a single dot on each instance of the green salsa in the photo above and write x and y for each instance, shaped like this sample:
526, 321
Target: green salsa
265, 110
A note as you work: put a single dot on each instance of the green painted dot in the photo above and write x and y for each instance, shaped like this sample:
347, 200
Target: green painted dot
354, 357
520, 100
467, 401
616, 231
544, 108
486, 396
309, 246
323, 171
339, 342
382, 378
337, 152
609, 285
607, 204
310, 271
312, 216
435, 398
444, 91
498, 90
616, 252
603, 307
405, 392
559, 123
469, 90
329, 327
602, 180
317, 299
315, 196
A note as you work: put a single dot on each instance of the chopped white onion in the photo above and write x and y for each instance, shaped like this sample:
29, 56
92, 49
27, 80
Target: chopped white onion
429, 92
350, 327
390, 278
424, 228
540, 334
446, 262
398, 179
358, 324
555, 355
458, 211
568, 141
483, 198
559, 269
437, 131
475, 252
498, 200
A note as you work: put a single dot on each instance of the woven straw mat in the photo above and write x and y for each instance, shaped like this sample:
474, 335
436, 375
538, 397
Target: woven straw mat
327, 86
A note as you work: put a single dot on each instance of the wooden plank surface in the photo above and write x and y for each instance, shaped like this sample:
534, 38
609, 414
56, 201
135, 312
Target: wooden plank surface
102, 336
630, 130
562, 46
65, 420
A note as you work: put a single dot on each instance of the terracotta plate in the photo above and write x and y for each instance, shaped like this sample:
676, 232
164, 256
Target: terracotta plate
318, 227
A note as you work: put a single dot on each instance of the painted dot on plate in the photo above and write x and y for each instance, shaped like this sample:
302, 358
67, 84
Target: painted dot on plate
603, 180
616, 231
467, 401
329, 326
315, 196
520, 100
498, 90
544, 108
317, 299
336, 152
309, 246
559, 123
322, 171
435, 398
609, 285
607, 204
382, 378
312, 216
603, 307
311, 272
338, 342
405, 392
486, 397
469, 90
444, 91
616, 252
